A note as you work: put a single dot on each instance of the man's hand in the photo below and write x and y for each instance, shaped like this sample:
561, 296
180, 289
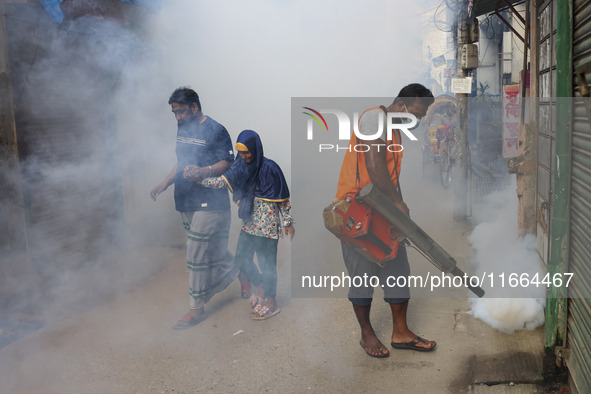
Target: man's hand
162, 186
193, 173
157, 190
290, 231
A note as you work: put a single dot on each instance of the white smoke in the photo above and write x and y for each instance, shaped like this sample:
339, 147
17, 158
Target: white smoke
246, 66
501, 255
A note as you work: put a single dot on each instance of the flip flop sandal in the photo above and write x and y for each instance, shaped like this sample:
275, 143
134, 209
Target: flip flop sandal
412, 345
265, 313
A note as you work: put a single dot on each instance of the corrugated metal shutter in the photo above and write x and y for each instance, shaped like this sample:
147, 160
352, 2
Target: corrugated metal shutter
579, 308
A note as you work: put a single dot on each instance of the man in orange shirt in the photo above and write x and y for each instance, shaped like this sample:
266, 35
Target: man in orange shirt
380, 165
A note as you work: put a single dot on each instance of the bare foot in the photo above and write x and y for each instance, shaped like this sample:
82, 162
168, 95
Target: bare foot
374, 348
244, 285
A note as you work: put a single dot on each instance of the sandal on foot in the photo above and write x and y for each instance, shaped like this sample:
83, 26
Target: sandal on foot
381, 349
412, 345
265, 312
244, 289
254, 301
257, 309
188, 321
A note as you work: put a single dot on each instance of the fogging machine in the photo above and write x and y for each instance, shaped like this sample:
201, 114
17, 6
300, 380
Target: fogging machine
374, 226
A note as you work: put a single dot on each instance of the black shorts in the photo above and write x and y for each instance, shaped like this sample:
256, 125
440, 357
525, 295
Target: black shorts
359, 267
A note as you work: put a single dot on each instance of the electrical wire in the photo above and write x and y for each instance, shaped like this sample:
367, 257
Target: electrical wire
488, 21
516, 44
454, 7
485, 50
435, 18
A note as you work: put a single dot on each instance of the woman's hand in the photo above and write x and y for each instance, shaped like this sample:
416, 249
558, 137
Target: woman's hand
290, 231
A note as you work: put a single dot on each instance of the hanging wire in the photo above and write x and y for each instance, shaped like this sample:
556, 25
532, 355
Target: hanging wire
485, 51
435, 16
489, 28
454, 6
516, 44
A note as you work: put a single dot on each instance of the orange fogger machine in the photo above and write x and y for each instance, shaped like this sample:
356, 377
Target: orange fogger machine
374, 226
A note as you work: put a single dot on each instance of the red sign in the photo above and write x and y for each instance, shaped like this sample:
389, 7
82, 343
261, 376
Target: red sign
511, 120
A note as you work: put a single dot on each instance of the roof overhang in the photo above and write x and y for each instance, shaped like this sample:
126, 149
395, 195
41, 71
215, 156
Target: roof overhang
482, 7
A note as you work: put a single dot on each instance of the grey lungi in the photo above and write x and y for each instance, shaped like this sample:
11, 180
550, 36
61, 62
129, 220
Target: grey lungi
211, 266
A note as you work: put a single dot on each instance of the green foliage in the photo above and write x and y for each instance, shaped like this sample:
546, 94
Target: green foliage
482, 88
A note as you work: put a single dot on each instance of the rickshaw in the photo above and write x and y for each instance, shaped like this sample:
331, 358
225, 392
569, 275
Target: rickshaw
439, 138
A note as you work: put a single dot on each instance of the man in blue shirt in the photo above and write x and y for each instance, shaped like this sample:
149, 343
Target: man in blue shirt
203, 147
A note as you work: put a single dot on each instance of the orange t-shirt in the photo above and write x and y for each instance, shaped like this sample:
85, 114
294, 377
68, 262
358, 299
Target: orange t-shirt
348, 185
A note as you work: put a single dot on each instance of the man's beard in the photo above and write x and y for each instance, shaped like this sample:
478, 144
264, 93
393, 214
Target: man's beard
185, 122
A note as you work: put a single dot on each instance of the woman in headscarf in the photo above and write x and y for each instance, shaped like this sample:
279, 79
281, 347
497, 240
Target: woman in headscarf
262, 195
